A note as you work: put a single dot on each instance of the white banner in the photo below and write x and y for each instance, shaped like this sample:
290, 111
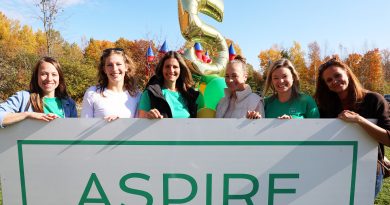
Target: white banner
187, 161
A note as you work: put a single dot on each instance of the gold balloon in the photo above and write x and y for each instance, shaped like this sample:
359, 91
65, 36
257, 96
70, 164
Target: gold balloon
193, 29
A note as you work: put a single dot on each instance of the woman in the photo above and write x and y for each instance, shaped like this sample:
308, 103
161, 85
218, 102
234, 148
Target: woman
46, 100
239, 101
116, 95
340, 94
168, 93
286, 102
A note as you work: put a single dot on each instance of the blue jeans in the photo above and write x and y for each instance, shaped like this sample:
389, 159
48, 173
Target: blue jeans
379, 181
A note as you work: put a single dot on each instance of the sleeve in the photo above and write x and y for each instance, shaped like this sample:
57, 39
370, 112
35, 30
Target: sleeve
383, 112
312, 109
260, 108
87, 109
73, 109
144, 103
12, 105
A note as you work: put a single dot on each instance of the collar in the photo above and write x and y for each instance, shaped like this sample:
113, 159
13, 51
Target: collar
240, 94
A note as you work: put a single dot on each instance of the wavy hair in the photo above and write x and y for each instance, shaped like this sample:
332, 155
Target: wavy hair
328, 100
130, 83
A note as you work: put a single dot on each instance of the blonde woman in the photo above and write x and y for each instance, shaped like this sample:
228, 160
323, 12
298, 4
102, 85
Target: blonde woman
286, 101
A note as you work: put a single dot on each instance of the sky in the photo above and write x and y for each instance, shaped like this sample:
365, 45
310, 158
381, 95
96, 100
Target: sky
255, 25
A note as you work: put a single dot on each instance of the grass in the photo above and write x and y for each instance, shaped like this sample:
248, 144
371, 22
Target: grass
384, 195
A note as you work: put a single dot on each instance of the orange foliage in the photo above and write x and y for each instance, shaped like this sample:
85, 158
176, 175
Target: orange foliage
267, 57
372, 72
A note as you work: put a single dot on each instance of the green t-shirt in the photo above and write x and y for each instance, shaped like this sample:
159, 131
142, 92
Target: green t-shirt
175, 101
53, 105
303, 106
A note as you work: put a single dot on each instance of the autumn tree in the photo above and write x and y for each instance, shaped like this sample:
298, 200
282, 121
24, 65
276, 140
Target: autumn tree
297, 58
314, 60
94, 49
17, 56
386, 64
137, 51
267, 57
353, 61
255, 79
372, 73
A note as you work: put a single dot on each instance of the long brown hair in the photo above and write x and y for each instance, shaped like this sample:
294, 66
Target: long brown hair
130, 83
282, 63
328, 100
185, 79
36, 94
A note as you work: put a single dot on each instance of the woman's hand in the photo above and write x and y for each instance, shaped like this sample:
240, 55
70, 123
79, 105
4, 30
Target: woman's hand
42, 116
110, 118
378, 133
285, 117
349, 116
253, 115
154, 114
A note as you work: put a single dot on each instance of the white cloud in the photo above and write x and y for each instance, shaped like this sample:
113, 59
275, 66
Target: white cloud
67, 3
22, 10
27, 12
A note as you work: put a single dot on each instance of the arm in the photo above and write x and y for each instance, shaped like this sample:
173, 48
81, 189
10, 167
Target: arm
152, 114
16, 109
11, 118
72, 108
144, 109
258, 112
378, 133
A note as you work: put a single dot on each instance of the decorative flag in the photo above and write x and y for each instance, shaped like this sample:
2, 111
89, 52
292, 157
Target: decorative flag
232, 52
198, 50
149, 55
164, 48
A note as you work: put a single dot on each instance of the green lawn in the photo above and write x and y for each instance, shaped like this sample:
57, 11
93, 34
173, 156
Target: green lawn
384, 195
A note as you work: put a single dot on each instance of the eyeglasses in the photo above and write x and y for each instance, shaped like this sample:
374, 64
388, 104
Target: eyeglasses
108, 50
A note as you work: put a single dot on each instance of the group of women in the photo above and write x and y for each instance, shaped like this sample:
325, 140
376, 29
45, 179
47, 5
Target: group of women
170, 94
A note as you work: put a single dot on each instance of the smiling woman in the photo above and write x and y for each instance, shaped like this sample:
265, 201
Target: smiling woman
116, 95
46, 100
239, 101
286, 101
339, 94
169, 93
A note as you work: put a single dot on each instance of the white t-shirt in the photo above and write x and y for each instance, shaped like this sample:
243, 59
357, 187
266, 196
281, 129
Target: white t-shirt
96, 105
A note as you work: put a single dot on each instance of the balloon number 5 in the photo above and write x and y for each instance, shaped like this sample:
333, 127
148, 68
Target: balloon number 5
193, 29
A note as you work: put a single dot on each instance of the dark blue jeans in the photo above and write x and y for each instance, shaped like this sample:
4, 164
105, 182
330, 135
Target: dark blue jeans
379, 181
